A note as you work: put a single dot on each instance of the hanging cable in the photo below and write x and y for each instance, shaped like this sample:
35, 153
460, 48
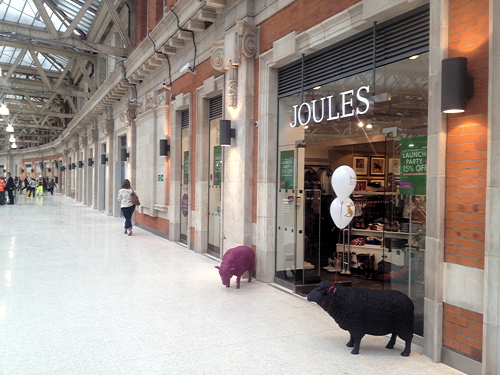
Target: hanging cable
189, 31
164, 54
122, 63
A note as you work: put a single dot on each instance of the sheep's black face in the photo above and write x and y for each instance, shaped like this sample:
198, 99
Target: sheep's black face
318, 294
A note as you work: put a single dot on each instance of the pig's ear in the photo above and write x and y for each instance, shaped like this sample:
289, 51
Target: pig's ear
217, 267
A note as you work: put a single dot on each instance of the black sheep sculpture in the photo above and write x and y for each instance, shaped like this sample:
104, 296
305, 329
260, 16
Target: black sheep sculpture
367, 312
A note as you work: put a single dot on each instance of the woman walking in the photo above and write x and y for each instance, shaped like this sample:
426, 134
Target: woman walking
127, 206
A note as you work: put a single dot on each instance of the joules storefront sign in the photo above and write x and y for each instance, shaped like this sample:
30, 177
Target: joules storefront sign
350, 105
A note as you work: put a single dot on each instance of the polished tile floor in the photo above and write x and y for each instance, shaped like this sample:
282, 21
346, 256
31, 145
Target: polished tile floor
78, 297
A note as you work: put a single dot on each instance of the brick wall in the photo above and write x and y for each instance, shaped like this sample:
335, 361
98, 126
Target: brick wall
141, 19
155, 13
463, 331
467, 139
156, 223
466, 170
299, 16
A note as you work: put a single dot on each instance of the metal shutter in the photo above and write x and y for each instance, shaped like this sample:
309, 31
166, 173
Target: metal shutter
215, 107
185, 118
396, 39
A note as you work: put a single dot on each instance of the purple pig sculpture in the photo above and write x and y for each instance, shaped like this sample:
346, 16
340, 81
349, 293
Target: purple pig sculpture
235, 262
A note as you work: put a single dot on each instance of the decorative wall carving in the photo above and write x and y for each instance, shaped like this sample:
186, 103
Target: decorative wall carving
75, 145
83, 140
93, 135
162, 99
227, 55
218, 56
107, 127
246, 43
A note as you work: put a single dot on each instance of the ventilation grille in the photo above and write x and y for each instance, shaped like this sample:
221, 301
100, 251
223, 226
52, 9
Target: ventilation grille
215, 107
185, 118
396, 39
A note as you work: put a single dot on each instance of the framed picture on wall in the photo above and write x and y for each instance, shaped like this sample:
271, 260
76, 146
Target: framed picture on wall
361, 185
360, 164
393, 166
377, 166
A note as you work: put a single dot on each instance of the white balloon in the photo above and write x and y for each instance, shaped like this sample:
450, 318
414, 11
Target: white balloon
344, 181
342, 212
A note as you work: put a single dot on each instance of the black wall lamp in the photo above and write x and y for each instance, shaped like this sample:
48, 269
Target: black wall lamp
456, 86
124, 154
90, 162
226, 133
63, 168
104, 159
164, 147
73, 166
80, 164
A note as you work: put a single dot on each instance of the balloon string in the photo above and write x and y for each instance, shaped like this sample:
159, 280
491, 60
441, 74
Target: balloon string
337, 253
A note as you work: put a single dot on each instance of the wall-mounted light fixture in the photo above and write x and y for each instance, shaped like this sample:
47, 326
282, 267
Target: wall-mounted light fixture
124, 154
69, 166
226, 133
90, 162
63, 168
73, 166
80, 164
456, 86
164, 147
104, 159
49, 170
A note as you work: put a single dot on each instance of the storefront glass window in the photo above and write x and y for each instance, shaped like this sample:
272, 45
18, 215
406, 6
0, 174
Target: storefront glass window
379, 128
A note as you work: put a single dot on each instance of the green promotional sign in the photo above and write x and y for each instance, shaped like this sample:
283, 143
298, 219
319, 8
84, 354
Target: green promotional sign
287, 166
413, 166
217, 165
185, 179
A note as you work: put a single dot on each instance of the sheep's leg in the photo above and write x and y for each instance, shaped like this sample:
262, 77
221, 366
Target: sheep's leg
392, 341
350, 344
407, 350
238, 282
354, 342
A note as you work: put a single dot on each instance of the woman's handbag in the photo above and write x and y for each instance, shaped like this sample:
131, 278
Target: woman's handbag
134, 198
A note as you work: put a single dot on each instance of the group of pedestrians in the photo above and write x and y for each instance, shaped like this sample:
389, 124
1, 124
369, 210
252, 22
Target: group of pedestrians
37, 186
7, 185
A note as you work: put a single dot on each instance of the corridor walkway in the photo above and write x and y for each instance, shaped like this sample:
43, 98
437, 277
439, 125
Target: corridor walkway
78, 297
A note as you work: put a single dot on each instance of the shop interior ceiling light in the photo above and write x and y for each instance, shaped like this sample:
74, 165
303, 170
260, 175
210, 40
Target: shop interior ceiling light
9, 128
12, 139
13, 145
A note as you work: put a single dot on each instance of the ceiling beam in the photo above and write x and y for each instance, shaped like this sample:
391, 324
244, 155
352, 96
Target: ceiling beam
118, 23
46, 19
14, 32
77, 19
